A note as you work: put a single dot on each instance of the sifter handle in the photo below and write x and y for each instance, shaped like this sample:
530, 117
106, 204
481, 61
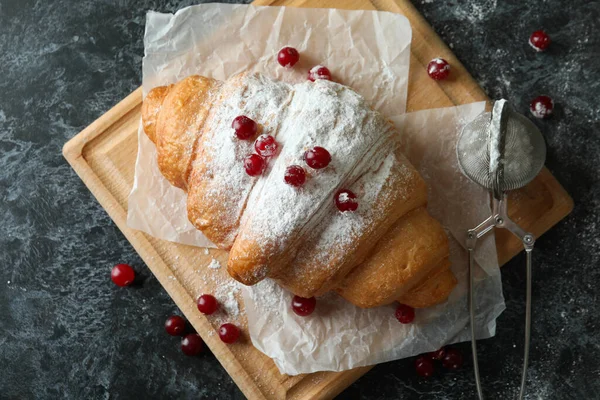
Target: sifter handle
472, 317
528, 240
528, 251
472, 236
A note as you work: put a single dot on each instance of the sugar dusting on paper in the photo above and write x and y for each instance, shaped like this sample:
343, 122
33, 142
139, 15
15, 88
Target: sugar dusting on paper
214, 264
227, 292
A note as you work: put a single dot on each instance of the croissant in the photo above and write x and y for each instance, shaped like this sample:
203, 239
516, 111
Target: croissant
389, 249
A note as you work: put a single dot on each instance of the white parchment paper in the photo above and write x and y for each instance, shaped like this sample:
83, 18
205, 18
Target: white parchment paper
368, 51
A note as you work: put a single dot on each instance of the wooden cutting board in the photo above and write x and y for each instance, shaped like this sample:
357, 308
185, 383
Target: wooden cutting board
104, 154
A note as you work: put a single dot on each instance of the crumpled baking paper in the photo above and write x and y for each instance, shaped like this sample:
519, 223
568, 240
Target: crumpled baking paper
369, 51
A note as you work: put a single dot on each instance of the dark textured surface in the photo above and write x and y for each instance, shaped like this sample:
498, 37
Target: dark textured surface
67, 332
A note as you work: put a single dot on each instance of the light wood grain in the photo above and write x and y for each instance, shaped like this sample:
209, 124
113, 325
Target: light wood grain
103, 155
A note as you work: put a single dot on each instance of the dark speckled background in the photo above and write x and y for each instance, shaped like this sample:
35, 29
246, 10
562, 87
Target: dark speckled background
67, 332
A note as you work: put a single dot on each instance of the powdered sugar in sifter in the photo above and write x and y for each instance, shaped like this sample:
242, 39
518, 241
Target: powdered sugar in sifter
500, 151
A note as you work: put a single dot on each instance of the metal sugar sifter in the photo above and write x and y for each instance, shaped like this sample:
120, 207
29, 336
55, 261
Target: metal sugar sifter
500, 151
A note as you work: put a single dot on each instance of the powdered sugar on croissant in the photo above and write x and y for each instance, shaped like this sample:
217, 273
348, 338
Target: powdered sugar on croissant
278, 216
293, 234
219, 187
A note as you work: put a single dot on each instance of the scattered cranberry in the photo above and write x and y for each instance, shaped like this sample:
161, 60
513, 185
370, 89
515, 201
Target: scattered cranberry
345, 200
254, 165
317, 157
539, 40
229, 333
191, 344
438, 354
319, 72
541, 107
405, 314
207, 304
295, 175
303, 306
265, 145
244, 127
424, 366
175, 325
288, 57
122, 275
453, 359
438, 69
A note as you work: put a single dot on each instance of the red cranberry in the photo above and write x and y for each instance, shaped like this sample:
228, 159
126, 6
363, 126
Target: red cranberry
207, 304
541, 107
295, 175
317, 157
244, 127
405, 314
288, 57
424, 366
122, 275
453, 359
175, 325
254, 165
345, 200
265, 145
438, 69
229, 333
303, 306
191, 344
319, 72
438, 354
539, 40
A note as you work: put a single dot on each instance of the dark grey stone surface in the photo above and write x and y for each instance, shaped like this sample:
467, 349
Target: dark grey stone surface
67, 332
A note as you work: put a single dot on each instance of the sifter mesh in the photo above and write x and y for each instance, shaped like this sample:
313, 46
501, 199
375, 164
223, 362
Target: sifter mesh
523, 157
